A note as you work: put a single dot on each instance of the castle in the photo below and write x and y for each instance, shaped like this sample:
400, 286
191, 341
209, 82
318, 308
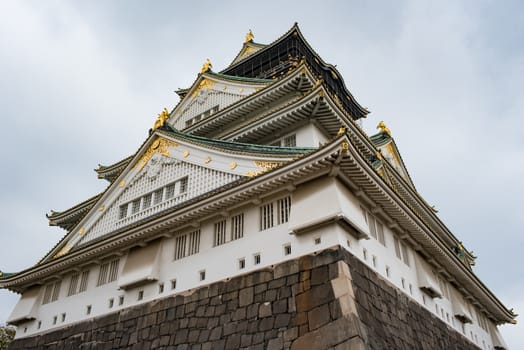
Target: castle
259, 197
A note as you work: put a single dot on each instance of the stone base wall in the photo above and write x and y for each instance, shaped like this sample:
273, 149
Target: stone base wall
329, 300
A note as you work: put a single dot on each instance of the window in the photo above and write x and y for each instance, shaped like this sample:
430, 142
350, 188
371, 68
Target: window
410, 289
111, 303
220, 233
405, 255
135, 206
73, 285
256, 259
241, 263
194, 242
113, 270
140, 295
380, 233
55, 318
396, 243
371, 224
374, 260
157, 196
318, 241
237, 226
39, 325
83, 281
183, 185
160, 288
63, 317
122, 213
365, 253
102, 274
403, 283
108, 272
56, 291
388, 271
88, 309
47, 294
180, 247
266, 216
170, 191
287, 249
290, 141
283, 209
121, 300
173, 284
202, 275
146, 202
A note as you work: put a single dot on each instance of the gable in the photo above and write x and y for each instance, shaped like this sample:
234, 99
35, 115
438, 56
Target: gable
209, 94
166, 173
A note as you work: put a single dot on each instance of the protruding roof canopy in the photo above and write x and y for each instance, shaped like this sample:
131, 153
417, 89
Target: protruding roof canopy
276, 58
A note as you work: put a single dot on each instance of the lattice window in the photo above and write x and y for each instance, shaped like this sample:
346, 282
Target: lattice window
146, 201
102, 274
170, 191
47, 294
194, 242
158, 196
73, 284
83, 281
180, 247
183, 185
113, 270
237, 226
266, 216
405, 254
380, 233
56, 291
372, 227
135, 206
220, 233
122, 213
396, 243
283, 210
290, 141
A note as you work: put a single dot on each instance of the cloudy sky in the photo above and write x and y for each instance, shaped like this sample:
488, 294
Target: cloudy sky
81, 83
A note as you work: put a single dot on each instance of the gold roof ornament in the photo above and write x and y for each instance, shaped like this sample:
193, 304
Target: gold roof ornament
249, 36
206, 66
341, 131
161, 119
383, 128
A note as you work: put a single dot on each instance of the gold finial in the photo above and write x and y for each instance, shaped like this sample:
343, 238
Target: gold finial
383, 128
249, 36
341, 131
206, 66
161, 119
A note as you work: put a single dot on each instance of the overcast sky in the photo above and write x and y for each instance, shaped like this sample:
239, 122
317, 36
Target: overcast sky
82, 82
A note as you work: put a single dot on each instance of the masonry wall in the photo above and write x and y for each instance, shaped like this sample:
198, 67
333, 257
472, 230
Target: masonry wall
329, 300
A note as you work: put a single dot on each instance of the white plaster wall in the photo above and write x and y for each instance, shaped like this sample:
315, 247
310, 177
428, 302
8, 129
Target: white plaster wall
221, 262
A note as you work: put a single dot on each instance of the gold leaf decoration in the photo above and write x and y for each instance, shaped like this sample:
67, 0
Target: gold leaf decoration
160, 145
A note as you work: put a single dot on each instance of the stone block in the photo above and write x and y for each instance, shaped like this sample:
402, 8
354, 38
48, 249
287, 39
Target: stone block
318, 317
275, 344
264, 310
245, 296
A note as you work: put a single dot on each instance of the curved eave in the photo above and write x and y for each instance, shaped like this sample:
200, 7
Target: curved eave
67, 219
328, 71
364, 178
242, 149
110, 172
299, 80
356, 172
235, 147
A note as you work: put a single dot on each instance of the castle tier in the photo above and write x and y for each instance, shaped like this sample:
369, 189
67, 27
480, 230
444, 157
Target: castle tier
259, 164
